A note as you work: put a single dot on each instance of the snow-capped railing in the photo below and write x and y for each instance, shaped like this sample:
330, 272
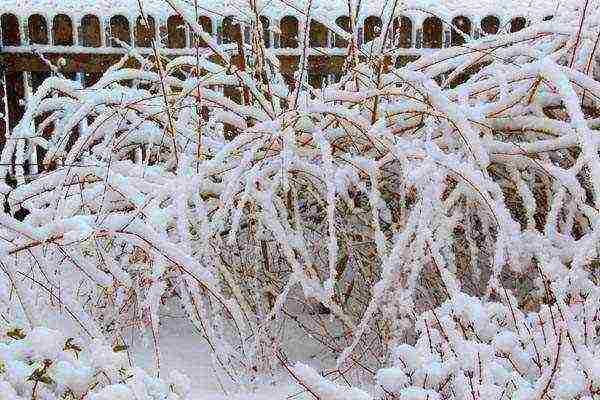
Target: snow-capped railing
30, 37
106, 34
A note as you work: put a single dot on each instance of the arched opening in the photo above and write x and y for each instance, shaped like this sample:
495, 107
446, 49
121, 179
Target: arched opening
490, 24
233, 92
14, 92
38, 29
402, 38
344, 23
517, 24
62, 30
432, 33
89, 31
10, 30
460, 24
289, 32
176, 32
119, 31
403, 28
145, 31
232, 32
206, 24
266, 33
317, 34
372, 28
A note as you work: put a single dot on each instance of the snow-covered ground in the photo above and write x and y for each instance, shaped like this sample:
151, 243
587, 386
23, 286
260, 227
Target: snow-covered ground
185, 350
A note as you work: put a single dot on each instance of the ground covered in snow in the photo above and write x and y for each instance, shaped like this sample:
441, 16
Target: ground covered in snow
184, 349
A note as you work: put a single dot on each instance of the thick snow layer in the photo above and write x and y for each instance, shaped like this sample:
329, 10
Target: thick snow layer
276, 9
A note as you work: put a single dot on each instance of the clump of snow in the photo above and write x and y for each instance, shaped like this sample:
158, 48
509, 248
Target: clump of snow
50, 366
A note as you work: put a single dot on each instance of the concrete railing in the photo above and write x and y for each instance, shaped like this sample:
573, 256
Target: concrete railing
84, 46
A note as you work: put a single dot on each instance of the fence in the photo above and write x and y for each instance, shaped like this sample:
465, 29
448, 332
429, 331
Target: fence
83, 47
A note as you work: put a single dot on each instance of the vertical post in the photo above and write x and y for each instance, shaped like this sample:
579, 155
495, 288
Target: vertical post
476, 27
131, 22
80, 77
33, 162
76, 27
446, 38
360, 36
276, 34
105, 31
247, 33
24, 31
219, 26
162, 31
419, 32
3, 106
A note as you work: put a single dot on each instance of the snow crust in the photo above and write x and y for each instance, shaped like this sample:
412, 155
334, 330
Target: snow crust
324, 10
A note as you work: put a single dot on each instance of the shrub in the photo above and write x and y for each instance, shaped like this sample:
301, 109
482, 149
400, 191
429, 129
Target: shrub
442, 214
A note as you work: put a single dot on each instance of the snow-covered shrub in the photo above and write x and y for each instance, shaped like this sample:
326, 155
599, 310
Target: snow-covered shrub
473, 349
469, 348
435, 211
43, 364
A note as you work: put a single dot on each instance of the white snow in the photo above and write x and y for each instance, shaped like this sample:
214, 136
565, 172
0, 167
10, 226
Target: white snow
390, 234
321, 9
